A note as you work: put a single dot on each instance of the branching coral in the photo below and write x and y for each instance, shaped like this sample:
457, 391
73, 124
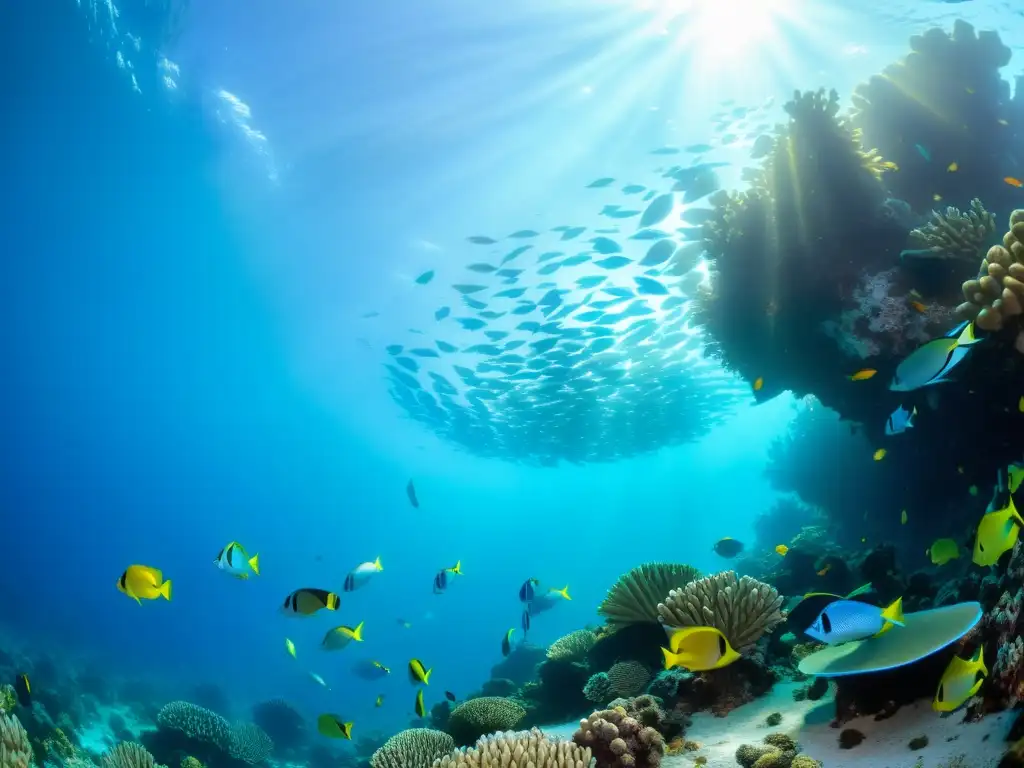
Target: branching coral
628, 678
413, 748
955, 234
573, 646
634, 598
477, 717
997, 295
518, 750
250, 743
598, 689
128, 754
196, 723
743, 609
618, 741
15, 750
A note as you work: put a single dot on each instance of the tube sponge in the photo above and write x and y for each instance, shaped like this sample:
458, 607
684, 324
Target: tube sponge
517, 750
634, 598
413, 748
997, 294
15, 750
742, 609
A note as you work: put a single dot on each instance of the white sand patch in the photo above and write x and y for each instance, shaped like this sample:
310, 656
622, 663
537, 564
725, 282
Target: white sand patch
885, 744
98, 737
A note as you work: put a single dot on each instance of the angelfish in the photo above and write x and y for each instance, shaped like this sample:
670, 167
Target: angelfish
961, 680
698, 649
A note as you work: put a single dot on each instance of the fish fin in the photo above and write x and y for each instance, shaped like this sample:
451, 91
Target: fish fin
254, 563
377, 565
165, 590
863, 589
894, 613
357, 633
134, 597
979, 660
957, 330
671, 659
426, 677
242, 576
564, 592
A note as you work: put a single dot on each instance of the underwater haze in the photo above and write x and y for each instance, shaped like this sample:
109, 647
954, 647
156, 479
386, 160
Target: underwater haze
439, 282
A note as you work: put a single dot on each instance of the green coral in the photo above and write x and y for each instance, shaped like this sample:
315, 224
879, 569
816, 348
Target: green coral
413, 748
191, 762
8, 698
598, 689
953, 234
634, 598
572, 647
128, 754
15, 750
59, 744
803, 761
781, 741
477, 717
748, 754
196, 723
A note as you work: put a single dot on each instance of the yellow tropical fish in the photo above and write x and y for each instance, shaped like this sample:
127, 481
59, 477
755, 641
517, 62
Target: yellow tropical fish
234, 560
961, 680
380, 700
863, 374
421, 709
290, 646
997, 533
903, 517
332, 727
307, 601
1014, 477
698, 649
340, 637
456, 569
879, 454
943, 550
782, 549
417, 673
140, 582
758, 383
952, 168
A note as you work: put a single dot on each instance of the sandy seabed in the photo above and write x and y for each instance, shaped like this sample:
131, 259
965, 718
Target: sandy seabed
885, 744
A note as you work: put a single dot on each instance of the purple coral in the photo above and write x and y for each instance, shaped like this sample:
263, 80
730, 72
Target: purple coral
618, 741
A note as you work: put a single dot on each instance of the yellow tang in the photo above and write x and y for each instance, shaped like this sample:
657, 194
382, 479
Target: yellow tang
290, 646
942, 551
332, 727
997, 533
879, 454
140, 582
961, 680
782, 549
417, 673
421, 709
698, 649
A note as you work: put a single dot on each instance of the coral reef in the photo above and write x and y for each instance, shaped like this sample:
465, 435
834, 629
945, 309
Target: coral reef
196, 724
15, 750
478, 717
743, 609
598, 689
650, 711
518, 750
128, 754
953, 234
250, 743
413, 748
778, 750
572, 647
997, 295
635, 596
618, 741
628, 678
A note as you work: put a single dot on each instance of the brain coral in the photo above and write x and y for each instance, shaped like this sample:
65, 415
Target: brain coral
518, 750
628, 678
743, 609
128, 754
573, 646
478, 717
413, 748
15, 751
196, 723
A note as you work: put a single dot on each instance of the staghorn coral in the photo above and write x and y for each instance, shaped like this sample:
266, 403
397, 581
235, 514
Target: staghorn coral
413, 748
628, 678
196, 723
572, 647
598, 689
618, 741
997, 294
250, 743
15, 750
955, 234
478, 717
128, 754
634, 598
517, 750
743, 609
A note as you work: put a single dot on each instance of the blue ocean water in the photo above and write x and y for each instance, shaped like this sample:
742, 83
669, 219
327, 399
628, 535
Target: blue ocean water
203, 203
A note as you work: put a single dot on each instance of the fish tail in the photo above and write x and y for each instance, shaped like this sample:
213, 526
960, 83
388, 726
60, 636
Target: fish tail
254, 563
377, 565
165, 590
564, 592
979, 659
426, 677
458, 567
357, 633
671, 659
894, 613
332, 601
